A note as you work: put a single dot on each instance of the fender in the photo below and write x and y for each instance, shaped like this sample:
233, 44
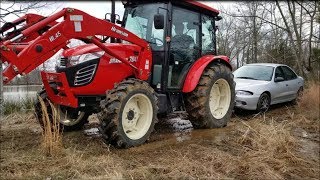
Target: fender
197, 69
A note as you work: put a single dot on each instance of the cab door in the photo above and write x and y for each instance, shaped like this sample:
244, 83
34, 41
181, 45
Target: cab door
184, 45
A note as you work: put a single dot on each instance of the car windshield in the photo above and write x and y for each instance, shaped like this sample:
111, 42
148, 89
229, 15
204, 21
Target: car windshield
254, 72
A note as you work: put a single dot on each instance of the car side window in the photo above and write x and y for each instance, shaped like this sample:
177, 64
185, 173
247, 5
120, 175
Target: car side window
288, 73
278, 73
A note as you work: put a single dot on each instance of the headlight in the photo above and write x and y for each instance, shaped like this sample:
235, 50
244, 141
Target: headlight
84, 57
244, 92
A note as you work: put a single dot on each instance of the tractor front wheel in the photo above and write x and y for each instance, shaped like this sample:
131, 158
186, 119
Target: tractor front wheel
210, 104
71, 119
128, 114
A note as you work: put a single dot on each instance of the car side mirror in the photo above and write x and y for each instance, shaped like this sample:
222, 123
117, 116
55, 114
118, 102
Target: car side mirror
158, 20
278, 79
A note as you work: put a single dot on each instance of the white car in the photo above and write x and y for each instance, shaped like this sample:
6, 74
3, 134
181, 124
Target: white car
260, 85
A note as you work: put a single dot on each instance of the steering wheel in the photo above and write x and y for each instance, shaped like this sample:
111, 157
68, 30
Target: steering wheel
157, 41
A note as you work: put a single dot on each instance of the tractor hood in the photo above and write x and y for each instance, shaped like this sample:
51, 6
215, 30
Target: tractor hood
90, 48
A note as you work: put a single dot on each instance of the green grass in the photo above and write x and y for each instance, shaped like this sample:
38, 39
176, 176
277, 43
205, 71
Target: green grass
25, 105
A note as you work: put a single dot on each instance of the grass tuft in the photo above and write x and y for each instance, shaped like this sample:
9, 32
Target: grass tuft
51, 136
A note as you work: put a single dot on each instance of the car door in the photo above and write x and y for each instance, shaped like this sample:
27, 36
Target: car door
293, 84
278, 90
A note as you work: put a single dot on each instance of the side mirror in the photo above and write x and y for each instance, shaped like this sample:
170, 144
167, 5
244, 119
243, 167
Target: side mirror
216, 28
217, 18
158, 20
278, 79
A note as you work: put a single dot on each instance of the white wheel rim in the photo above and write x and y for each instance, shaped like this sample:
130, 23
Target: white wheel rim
66, 120
137, 116
219, 99
264, 104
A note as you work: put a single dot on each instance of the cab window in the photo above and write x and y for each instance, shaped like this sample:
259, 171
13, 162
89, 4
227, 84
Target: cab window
207, 35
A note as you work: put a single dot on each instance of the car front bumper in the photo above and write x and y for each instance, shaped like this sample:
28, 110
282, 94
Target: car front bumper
248, 102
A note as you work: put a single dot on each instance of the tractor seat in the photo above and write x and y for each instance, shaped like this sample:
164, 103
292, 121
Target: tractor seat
181, 46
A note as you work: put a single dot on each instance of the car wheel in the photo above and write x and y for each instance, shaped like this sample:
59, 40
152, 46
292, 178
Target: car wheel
263, 103
298, 96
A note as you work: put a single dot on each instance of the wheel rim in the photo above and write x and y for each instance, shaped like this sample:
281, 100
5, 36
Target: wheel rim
137, 116
220, 97
66, 119
264, 103
299, 94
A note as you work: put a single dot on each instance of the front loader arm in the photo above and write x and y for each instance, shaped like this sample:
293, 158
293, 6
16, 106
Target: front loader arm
75, 25
21, 24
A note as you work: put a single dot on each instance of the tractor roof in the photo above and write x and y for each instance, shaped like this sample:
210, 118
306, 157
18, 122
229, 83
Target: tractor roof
200, 6
190, 4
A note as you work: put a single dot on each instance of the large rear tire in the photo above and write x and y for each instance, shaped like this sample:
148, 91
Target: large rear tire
70, 119
211, 103
128, 114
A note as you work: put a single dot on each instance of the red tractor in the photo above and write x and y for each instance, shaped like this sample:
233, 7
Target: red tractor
161, 58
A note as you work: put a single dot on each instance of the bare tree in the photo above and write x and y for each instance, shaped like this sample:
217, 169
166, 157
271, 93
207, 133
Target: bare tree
18, 9
283, 32
294, 30
11, 9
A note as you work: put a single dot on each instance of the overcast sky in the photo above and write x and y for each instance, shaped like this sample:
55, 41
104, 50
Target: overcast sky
97, 8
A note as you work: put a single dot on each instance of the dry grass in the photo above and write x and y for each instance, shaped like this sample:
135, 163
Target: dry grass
310, 101
51, 135
11, 107
268, 150
282, 144
274, 146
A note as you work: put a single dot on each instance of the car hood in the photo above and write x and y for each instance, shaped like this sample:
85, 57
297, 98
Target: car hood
249, 84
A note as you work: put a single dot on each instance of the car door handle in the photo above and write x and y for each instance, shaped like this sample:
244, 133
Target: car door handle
287, 85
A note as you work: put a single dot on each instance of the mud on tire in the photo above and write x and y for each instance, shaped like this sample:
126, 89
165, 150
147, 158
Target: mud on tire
66, 128
198, 102
128, 114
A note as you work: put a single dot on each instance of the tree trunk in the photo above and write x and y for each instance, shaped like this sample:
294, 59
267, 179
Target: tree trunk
1, 90
255, 38
297, 50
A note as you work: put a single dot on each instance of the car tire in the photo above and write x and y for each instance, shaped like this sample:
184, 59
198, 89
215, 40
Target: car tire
263, 104
299, 95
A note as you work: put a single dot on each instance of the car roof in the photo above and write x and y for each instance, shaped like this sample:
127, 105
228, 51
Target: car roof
265, 64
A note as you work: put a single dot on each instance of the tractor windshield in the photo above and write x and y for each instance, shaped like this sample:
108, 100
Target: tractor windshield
139, 20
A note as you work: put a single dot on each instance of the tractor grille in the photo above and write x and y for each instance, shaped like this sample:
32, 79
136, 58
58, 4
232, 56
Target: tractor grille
63, 62
85, 75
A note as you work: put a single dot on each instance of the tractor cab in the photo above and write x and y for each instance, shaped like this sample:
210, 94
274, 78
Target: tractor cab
179, 33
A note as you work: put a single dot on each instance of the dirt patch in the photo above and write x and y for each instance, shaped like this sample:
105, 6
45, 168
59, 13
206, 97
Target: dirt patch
281, 144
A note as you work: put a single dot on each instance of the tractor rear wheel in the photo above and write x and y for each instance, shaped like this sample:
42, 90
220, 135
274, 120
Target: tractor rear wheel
211, 103
128, 114
70, 119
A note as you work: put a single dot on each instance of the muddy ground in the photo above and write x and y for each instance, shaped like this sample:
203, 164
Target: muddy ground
281, 144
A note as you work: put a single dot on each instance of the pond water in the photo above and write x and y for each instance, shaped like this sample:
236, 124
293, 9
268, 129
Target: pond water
18, 93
